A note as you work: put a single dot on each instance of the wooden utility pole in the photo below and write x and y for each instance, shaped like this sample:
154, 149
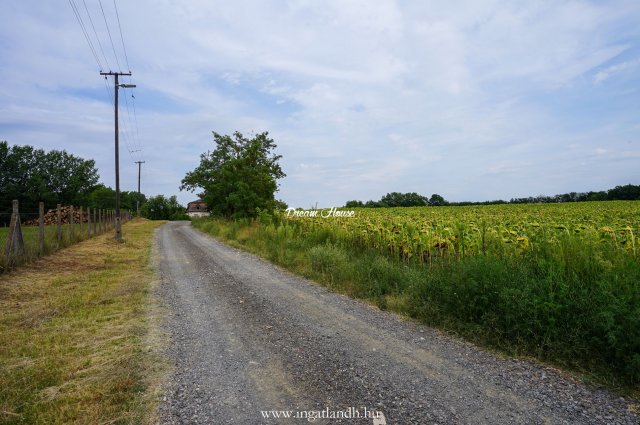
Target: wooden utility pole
138, 201
117, 147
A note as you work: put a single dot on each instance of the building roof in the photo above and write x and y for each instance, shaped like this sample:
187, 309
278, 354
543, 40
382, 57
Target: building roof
195, 206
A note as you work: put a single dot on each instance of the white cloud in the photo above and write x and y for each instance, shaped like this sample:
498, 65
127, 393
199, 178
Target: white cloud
618, 68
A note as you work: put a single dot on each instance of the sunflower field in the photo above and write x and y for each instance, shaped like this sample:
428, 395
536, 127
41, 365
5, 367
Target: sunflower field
432, 234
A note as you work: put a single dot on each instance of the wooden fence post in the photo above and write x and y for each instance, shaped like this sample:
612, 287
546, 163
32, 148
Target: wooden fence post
95, 223
88, 222
80, 223
59, 224
71, 235
41, 228
15, 241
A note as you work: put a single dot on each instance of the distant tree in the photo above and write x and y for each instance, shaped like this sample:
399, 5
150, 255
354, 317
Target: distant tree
397, 199
71, 178
437, 201
161, 208
393, 199
102, 197
32, 175
105, 198
376, 204
134, 199
597, 196
627, 192
354, 204
238, 177
280, 205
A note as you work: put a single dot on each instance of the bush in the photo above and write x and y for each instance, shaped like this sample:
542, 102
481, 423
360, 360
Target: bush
329, 260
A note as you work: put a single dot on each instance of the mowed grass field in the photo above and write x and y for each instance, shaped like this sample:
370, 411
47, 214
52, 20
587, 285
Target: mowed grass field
51, 243
77, 341
560, 282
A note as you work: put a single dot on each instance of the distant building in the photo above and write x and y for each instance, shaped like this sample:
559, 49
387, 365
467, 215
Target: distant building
197, 209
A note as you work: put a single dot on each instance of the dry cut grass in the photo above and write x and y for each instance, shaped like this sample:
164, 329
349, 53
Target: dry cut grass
78, 343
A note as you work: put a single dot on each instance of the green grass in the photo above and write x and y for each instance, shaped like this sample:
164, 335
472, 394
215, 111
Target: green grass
77, 338
51, 242
581, 313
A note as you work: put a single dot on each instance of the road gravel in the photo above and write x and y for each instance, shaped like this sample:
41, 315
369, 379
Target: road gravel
249, 338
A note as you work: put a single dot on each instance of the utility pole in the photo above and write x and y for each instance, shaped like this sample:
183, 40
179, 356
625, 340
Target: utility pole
116, 86
138, 201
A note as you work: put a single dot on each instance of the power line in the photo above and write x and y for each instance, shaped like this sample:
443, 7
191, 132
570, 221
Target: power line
121, 37
96, 33
109, 32
135, 116
134, 136
127, 139
130, 131
136, 143
126, 57
76, 12
108, 91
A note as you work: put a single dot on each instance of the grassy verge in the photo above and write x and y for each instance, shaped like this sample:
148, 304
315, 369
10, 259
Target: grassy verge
77, 343
583, 315
51, 242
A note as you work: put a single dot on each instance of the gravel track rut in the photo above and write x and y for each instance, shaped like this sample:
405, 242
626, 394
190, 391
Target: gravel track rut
249, 339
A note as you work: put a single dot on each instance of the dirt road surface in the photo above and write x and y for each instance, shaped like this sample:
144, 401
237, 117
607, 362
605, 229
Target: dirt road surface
250, 342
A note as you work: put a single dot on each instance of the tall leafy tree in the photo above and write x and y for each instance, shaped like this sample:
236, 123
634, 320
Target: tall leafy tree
32, 175
239, 176
397, 199
105, 197
627, 192
437, 200
162, 208
71, 178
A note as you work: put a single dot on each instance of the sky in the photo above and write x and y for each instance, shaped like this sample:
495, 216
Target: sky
473, 100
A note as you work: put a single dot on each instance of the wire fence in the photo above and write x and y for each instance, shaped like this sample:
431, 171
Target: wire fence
28, 235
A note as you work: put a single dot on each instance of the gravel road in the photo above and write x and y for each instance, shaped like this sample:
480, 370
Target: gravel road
249, 339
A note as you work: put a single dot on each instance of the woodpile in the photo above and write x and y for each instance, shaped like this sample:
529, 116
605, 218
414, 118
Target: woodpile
51, 217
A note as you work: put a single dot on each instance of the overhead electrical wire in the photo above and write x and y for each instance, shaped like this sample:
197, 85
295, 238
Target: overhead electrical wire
126, 102
129, 128
125, 134
78, 16
126, 57
110, 39
135, 116
96, 34
76, 12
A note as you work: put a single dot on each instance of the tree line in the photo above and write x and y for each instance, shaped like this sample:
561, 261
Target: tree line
627, 192
54, 177
397, 199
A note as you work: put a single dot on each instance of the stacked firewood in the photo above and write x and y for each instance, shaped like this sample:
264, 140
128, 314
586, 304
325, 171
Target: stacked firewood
51, 217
